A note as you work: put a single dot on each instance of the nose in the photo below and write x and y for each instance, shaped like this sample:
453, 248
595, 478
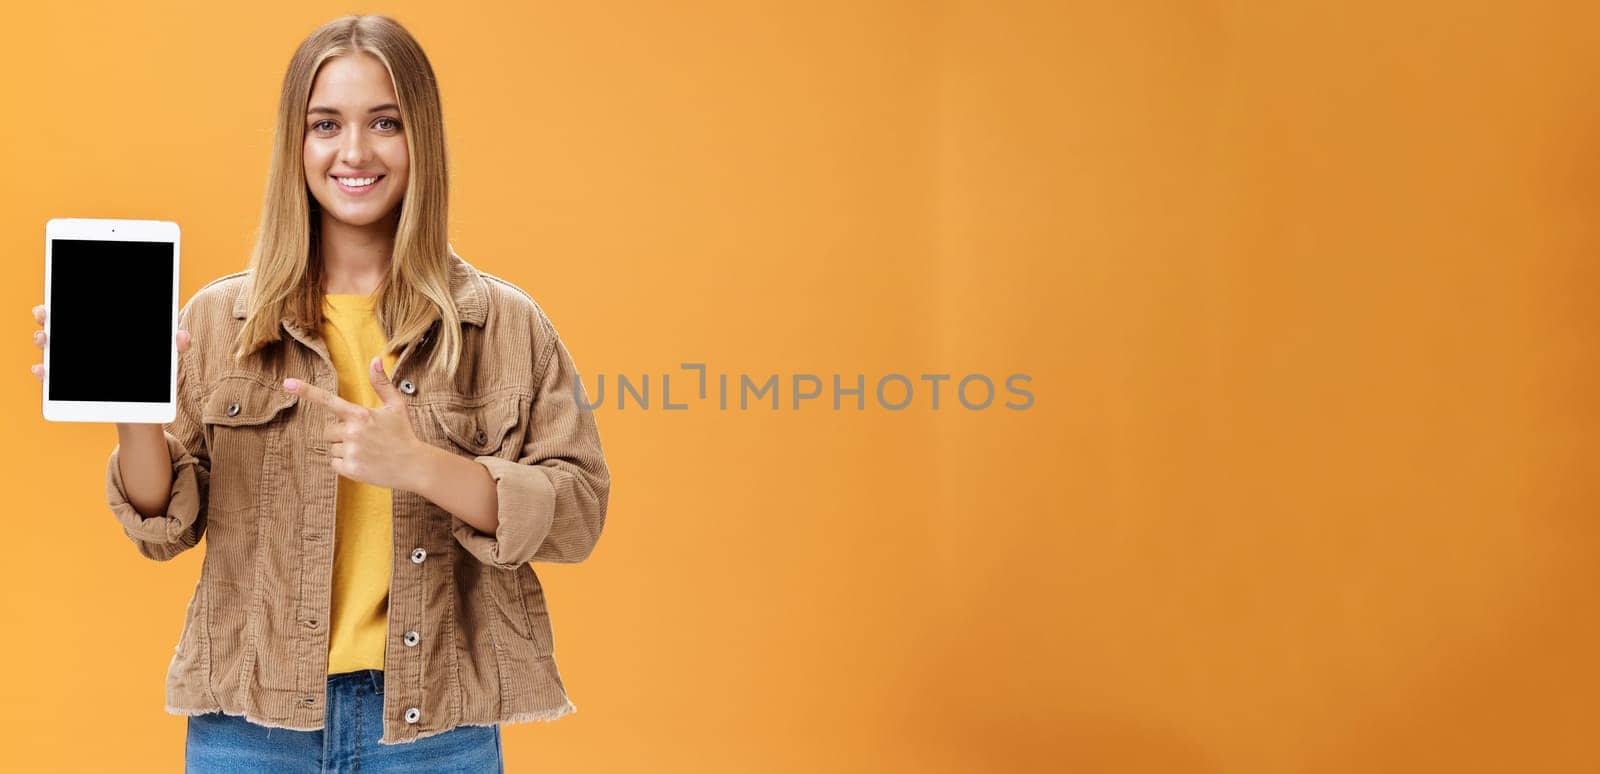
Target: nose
354, 149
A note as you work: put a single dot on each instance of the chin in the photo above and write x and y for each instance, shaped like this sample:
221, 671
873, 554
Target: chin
350, 219
359, 217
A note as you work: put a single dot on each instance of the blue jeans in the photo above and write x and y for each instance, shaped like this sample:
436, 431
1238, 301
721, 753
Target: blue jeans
348, 741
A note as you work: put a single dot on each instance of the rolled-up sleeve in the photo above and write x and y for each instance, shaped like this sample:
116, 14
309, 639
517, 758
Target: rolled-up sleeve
552, 499
179, 529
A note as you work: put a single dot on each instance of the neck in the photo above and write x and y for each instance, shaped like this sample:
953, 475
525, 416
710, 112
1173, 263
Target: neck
355, 258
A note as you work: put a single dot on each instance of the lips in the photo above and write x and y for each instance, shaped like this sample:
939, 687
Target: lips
357, 189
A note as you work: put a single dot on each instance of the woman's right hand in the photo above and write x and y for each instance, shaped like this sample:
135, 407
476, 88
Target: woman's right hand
38, 341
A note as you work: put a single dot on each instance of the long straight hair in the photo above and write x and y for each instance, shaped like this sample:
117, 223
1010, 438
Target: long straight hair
286, 264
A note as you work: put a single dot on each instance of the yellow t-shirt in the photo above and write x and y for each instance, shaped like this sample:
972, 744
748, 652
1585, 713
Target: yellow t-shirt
364, 523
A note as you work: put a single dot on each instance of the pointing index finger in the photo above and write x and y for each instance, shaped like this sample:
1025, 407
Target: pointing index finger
345, 409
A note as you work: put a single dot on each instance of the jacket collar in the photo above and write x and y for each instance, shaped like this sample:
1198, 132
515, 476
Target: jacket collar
466, 289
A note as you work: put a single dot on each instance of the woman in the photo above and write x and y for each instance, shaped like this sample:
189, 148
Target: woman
376, 439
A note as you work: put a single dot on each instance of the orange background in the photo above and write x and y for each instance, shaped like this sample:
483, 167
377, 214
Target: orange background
1309, 480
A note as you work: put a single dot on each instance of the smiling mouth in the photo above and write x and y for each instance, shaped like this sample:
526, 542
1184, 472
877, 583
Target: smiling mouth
356, 185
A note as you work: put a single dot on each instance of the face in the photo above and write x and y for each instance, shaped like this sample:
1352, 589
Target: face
355, 153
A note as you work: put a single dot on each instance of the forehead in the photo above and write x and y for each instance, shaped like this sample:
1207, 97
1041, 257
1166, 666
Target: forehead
356, 80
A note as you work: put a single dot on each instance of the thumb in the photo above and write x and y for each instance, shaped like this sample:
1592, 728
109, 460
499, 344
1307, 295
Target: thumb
380, 382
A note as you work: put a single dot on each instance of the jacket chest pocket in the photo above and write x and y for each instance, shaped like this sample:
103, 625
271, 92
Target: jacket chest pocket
485, 428
245, 422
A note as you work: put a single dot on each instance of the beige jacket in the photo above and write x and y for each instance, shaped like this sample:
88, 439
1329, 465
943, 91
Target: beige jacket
469, 637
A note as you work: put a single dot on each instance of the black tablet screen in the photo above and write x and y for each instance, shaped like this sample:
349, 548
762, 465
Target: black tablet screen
110, 321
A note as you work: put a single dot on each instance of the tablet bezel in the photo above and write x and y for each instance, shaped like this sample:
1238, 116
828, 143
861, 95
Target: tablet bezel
110, 230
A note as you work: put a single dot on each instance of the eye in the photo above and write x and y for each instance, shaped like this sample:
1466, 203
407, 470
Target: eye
325, 125
392, 124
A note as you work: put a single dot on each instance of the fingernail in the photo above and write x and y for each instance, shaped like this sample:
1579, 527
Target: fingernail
290, 384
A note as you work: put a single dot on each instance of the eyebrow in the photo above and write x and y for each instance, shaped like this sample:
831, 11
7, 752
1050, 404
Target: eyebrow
334, 112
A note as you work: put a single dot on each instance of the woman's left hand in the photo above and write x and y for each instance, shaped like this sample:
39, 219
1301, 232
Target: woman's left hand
374, 446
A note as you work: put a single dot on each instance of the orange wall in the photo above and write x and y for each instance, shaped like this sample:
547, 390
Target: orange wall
1307, 483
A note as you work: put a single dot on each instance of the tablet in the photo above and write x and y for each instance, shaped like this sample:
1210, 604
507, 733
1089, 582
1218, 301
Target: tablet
111, 319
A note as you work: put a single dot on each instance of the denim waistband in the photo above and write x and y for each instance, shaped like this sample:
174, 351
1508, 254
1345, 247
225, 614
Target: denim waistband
375, 675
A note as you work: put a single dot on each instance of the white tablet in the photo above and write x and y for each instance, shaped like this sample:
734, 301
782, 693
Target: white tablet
111, 318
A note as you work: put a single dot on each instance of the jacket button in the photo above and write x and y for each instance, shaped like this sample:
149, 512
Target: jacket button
418, 555
407, 387
233, 410
481, 436
412, 638
413, 715
311, 624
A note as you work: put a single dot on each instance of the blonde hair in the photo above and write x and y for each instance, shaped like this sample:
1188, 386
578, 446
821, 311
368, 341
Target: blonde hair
286, 264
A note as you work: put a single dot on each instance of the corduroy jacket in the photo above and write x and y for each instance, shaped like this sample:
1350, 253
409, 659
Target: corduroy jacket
469, 640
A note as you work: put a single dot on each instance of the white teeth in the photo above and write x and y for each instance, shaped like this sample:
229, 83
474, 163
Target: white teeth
357, 182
